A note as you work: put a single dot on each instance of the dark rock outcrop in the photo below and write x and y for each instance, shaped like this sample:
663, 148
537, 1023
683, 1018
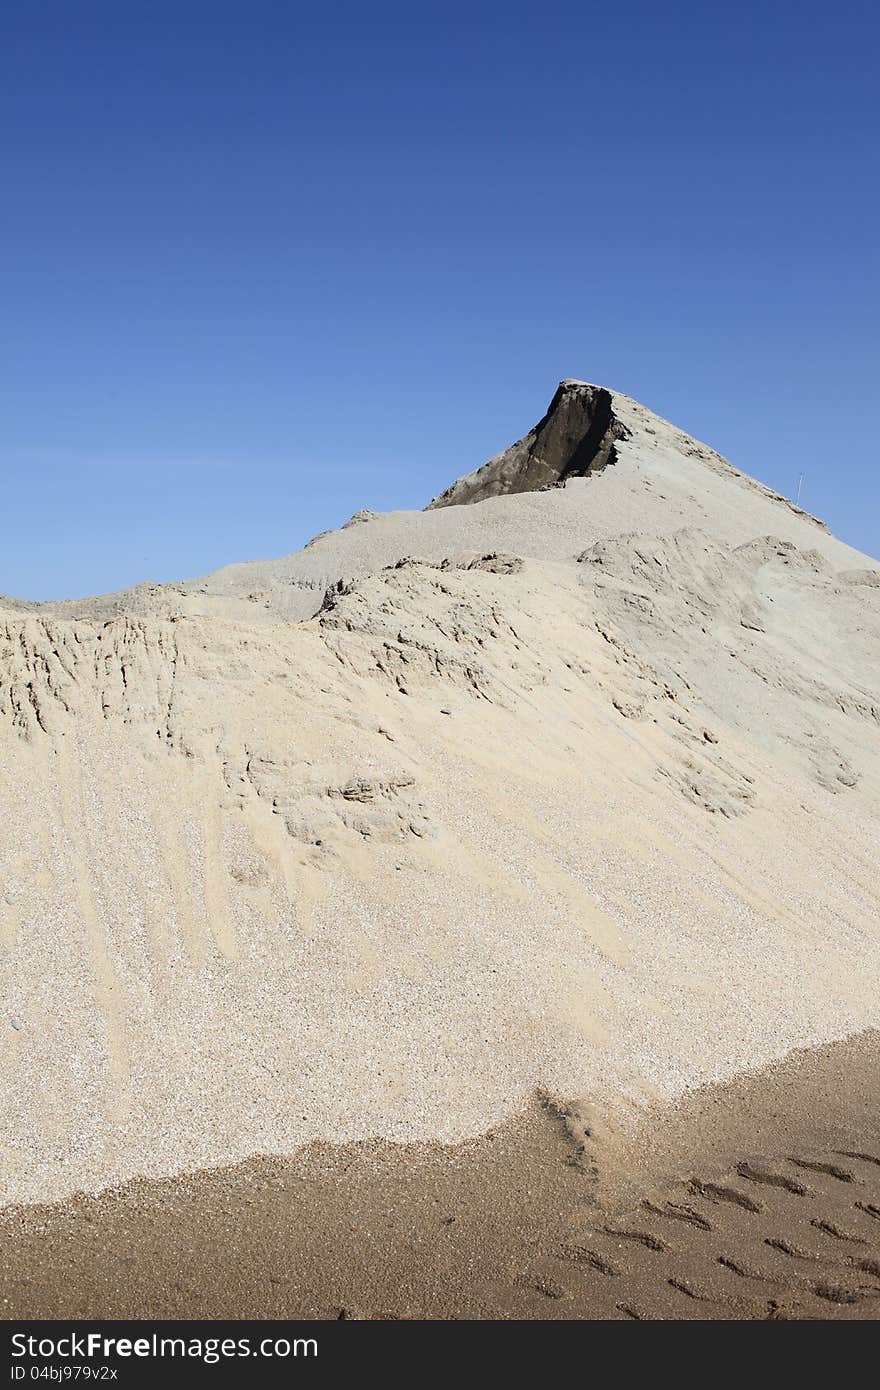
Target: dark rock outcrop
577, 436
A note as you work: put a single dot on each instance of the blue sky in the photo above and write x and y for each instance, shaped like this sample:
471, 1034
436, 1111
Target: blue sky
259, 268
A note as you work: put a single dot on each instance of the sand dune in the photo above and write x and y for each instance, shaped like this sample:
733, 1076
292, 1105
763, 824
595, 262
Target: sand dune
569, 792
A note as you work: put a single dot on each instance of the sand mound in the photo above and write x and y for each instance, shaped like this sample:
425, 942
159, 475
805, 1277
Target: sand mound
583, 799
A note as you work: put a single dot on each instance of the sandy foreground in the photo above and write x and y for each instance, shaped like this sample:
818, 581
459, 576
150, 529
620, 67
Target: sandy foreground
755, 1199
343, 859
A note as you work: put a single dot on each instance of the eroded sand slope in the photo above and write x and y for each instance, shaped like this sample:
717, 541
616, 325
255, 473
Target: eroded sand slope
582, 799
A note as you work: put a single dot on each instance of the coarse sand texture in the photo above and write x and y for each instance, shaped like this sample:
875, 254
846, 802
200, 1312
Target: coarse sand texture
566, 786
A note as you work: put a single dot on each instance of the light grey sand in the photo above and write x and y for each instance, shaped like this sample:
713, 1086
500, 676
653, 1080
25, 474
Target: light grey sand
664, 480
604, 825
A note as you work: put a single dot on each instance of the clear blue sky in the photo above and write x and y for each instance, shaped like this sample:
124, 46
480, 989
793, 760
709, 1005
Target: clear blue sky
260, 268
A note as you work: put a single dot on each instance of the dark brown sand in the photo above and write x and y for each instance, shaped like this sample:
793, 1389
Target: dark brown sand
757, 1199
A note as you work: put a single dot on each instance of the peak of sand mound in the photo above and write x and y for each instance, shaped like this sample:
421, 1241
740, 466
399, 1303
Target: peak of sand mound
577, 436
570, 792
598, 464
